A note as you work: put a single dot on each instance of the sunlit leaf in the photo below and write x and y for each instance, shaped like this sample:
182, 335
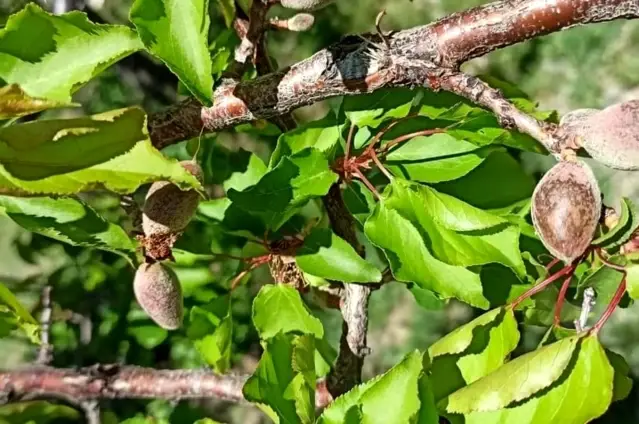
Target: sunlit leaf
326, 255
279, 309
14, 102
177, 32
52, 56
13, 315
472, 351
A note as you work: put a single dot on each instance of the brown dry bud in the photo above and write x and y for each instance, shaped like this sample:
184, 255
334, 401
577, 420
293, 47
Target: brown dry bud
566, 206
159, 293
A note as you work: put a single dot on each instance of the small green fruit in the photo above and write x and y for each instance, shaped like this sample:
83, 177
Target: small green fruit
566, 206
167, 209
305, 5
300, 22
159, 293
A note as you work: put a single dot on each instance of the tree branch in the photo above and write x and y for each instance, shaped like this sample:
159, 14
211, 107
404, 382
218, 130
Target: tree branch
347, 371
360, 64
126, 382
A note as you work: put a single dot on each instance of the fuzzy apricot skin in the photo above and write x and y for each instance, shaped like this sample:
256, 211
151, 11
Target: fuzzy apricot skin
167, 208
159, 293
305, 5
566, 206
610, 136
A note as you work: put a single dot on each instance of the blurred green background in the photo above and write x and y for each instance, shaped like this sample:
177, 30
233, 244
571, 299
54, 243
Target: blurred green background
96, 319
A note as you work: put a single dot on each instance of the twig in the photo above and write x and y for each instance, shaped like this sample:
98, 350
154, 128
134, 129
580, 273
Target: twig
45, 351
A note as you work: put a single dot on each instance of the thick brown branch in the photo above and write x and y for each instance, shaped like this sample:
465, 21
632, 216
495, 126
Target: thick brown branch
413, 57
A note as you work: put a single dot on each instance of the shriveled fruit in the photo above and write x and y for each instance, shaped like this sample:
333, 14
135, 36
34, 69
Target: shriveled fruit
166, 213
611, 135
159, 293
566, 206
306, 5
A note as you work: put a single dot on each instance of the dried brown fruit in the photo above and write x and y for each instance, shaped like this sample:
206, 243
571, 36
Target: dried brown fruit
159, 293
566, 206
611, 135
306, 5
166, 213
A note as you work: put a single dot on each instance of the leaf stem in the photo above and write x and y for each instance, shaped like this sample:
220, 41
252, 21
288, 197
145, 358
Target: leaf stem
568, 269
561, 298
621, 290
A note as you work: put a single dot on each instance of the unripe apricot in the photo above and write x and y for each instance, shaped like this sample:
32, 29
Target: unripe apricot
167, 209
566, 206
611, 135
305, 5
159, 293
300, 22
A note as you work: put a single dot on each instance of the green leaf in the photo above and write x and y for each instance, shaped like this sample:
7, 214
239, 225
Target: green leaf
458, 233
370, 110
322, 135
284, 189
393, 397
516, 381
228, 11
622, 384
426, 298
13, 315
326, 255
621, 233
123, 174
580, 393
177, 33
472, 351
411, 261
280, 309
37, 411
281, 385
148, 336
359, 200
428, 235
211, 330
52, 56
436, 158
14, 103
40, 149
632, 279
68, 220
255, 170
542, 312
485, 186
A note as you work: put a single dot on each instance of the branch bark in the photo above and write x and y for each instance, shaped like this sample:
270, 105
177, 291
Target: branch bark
126, 382
360, 64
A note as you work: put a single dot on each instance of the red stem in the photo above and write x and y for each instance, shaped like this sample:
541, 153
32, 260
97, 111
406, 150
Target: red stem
552, 264
621, 290
368, 184
561, 299
349, 141
405, 137
568, 269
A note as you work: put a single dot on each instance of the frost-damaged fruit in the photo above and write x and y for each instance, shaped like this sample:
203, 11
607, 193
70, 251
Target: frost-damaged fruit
159, 293
611, 135
306, 5
566, 206
166, 213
